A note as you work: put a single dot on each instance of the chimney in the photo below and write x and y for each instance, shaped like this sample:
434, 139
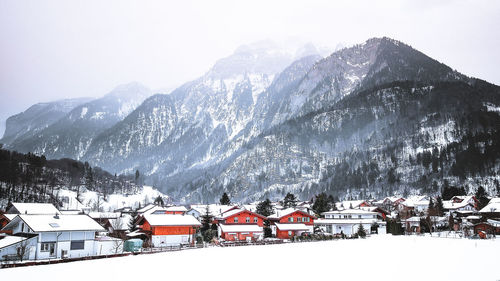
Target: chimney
56, 216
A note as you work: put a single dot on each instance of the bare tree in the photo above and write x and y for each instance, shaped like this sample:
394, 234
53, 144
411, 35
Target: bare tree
117, 246
116, 225
22, 249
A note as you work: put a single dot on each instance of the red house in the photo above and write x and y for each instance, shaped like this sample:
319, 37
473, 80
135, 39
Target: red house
286, 224
240, 225
169, 230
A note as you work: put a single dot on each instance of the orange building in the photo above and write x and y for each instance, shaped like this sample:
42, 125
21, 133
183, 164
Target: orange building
170, 230
240, 225
286, 224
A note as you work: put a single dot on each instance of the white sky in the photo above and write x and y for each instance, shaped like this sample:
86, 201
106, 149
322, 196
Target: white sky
60, 49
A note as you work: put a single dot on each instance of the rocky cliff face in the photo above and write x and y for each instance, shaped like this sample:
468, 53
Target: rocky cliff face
369, 120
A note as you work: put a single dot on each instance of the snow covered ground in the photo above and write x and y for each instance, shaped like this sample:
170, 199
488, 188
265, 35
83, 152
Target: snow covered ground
381, 257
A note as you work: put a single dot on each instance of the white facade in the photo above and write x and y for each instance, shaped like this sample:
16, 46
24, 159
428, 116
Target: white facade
347, 222
170, 240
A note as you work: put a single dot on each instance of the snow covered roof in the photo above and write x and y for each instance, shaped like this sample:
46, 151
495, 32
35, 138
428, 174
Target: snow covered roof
145, 208
214, 209
494, 223
240, 228
349, 204
171, 220
291, 226
10, 240
33, 209
450, 205
10, 216
104, 215
286, 212
48, 223
491, 208
177, 209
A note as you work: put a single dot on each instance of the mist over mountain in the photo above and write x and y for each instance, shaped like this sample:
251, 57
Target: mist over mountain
370, 120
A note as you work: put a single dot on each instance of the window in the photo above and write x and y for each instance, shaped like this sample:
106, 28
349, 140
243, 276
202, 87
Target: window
236, 219
247, 219
359, 216
306, 219
299, 219
290, 219
255, 220
47, 247
290, 233
77, 245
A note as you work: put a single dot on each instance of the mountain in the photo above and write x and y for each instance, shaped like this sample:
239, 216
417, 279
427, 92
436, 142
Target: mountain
370, 120
71, 135
36, 118
197, 124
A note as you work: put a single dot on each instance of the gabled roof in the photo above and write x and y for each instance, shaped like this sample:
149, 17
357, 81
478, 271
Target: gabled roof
104, 215
171, 220
214, 209
491, 208
49, 223
349, 204
283, 213
10, 240
176, 209
33, 209
237, 211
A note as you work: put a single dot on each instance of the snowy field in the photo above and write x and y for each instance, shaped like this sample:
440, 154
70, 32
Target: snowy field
376, 258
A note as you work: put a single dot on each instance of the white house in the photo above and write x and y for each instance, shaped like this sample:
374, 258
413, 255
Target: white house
347, 221
59, 236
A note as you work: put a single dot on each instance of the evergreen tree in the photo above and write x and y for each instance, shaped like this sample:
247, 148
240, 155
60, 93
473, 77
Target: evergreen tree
439, 206
224, 200
264, 208
137, 175
289, 201
482, 198
431, 209
361, 231
132, 224
321, 204
159, 201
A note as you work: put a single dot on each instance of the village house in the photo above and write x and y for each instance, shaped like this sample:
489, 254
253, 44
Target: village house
288, 223
347, 222
169, 230
58, 236
240, 225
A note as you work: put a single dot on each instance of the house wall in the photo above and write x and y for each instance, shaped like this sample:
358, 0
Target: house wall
242, 219
171, 240
295, 216
173, 230
62, 242
242, 236
346, 228
11, 250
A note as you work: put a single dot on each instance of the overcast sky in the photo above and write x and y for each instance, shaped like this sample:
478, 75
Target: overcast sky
51, 50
